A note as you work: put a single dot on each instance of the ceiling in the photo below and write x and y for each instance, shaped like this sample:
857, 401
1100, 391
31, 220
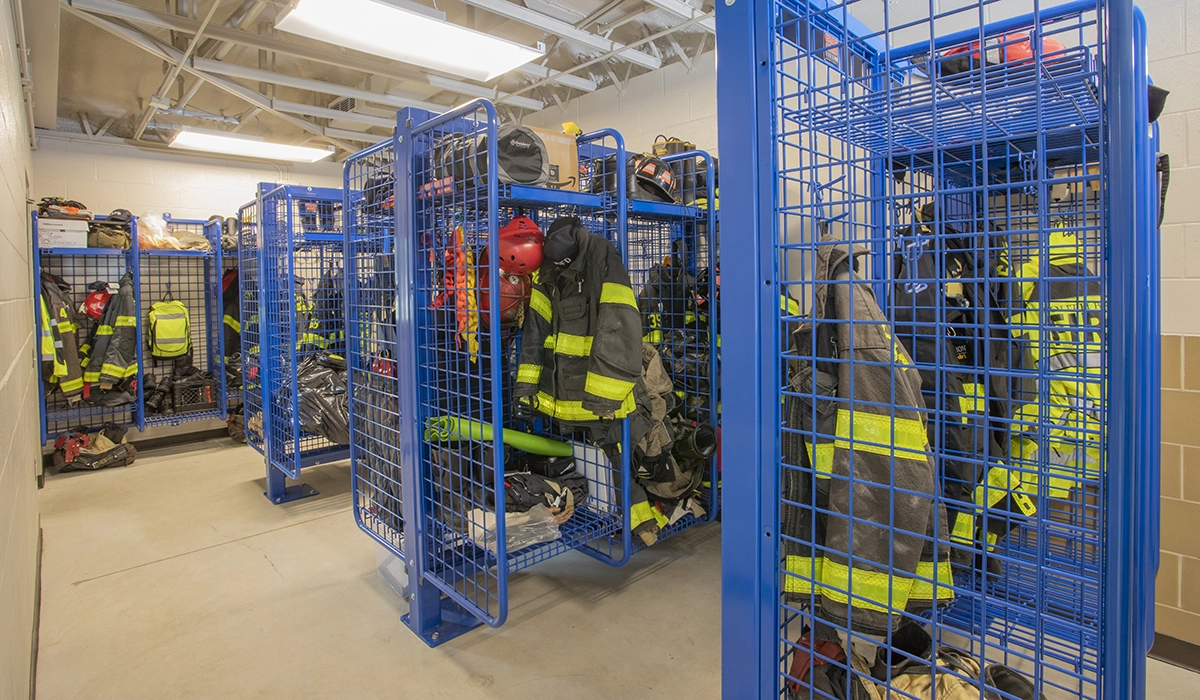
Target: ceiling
134, 69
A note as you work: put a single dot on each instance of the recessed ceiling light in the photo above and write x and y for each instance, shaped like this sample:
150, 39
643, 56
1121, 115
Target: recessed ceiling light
406, 32
248, 146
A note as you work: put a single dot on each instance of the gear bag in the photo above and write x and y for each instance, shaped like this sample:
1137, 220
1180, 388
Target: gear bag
170, 328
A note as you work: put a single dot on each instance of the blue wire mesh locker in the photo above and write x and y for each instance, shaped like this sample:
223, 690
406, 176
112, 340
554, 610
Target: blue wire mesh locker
672, 261
370, 233
248, 292
948, 477
456, 365
194, 278
78, 268
301, 305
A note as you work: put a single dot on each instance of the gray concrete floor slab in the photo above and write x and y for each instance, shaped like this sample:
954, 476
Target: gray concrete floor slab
175, 578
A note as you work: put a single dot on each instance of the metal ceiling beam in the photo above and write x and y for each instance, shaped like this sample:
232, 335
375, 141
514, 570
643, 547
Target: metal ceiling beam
683, 10
480, 91
360, 136
562, 29
327, 113
333, 56
158, 98
234, 70
604, 57
167, 53
572, 81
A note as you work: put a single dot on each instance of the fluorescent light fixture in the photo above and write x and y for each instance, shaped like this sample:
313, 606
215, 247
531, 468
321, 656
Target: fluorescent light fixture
248, 146
405, 32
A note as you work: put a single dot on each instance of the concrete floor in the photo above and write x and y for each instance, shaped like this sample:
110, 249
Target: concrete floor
175, 578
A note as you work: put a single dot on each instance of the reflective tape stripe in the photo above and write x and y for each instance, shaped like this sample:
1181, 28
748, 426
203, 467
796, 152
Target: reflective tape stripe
126, 321
233, 323
104, 330
869, 589
1067, 360
168, 317
643, 512
973, 400
964, 529
119, 372
905, 436
613, 293
71, 385
654, 337
574, 410
1002, 482
607, 387
548, 343
789, 305
573, 345
821, 458
929, 575
541, 304
529, 374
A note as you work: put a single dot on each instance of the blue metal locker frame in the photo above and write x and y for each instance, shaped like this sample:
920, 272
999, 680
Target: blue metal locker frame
299, 237
248, 289
81, 266
776, 85
458, 585
685, 234
193, 277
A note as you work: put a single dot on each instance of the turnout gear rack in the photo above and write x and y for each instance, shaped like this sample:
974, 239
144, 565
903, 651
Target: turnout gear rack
291, 287
433, 365
956, 429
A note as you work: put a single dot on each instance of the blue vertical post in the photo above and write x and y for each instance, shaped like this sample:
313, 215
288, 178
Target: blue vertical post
1121, 659
749, 588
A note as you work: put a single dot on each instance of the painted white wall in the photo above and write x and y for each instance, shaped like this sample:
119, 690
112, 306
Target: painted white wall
673, 102
107, 176
20, 452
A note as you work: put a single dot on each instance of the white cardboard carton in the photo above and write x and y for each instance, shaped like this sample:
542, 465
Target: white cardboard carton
62, 233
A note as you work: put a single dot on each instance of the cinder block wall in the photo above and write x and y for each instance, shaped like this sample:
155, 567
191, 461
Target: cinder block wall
19, 450
1175, 64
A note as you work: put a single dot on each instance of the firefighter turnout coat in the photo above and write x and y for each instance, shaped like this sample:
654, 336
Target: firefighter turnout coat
112, 351
60, 337
859, 479
581, 350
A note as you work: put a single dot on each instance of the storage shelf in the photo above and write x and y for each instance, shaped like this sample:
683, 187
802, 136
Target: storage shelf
976, 116
663, 210
169, 253
84, 251
181, 418
515, 195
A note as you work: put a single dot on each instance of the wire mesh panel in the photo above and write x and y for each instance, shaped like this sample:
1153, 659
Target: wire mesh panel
301, 302
73, 270
249, 250
671, 261
945, 336
194, 371
229, 295
371, 344
460, 340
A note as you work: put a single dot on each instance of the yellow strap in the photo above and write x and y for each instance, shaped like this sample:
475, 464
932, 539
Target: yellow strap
870, 432
607, 387
529, 374
789, 305
930, 574
964, 529
541, 304
573, 345
613, 293
233, 323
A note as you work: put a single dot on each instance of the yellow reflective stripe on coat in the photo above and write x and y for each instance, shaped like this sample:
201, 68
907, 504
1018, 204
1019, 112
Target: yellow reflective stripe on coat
119, 372
1002, 482
607, 387
233, 323
71, 385
973, 400
872, 590
541, 304
613, 293
964, 529
126, 321
870, 432
927, 574
789, 306
104, 330
820, 456
573, 345
529, 374
574, 410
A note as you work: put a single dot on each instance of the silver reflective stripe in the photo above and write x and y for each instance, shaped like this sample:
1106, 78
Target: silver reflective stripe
1066, 360
169, 317
169, 341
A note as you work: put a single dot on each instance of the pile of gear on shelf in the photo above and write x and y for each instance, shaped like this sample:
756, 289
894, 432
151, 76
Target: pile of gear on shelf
79, 450
112, 232
157, 233
101, 369
584, 363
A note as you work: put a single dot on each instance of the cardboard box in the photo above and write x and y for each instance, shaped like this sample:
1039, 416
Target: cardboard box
62, 233
564, 158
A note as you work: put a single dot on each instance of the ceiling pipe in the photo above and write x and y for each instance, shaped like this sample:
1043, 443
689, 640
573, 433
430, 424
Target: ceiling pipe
683, 10
327, 113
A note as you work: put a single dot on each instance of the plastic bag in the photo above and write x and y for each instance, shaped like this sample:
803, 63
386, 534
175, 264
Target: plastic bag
535, 526
153, 235
323, 404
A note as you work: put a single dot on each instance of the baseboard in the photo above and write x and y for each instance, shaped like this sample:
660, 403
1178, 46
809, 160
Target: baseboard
37, 617
1176, 652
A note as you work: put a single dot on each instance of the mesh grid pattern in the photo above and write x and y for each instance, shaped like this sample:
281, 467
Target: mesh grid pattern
248, 288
